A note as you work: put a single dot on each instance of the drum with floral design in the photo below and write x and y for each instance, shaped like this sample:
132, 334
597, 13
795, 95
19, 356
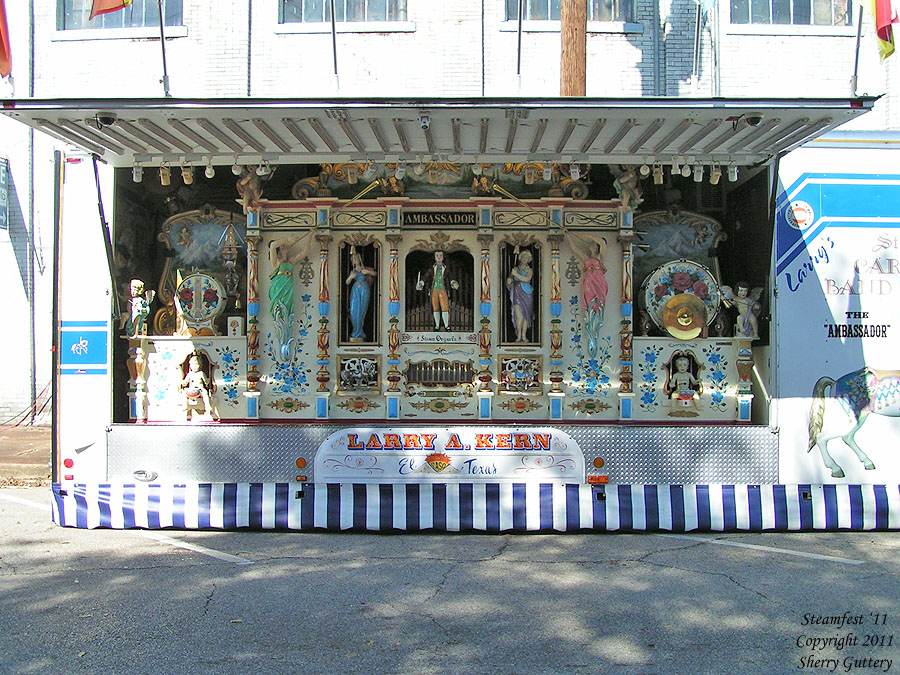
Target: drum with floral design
677, 277
202, 299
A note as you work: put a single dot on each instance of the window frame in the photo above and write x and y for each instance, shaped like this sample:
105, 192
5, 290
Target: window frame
799, 29
61, 16
326, 18
550, 20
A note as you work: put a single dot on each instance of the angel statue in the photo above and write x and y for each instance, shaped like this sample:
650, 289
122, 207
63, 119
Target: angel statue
135, 321
746, 301
628, 186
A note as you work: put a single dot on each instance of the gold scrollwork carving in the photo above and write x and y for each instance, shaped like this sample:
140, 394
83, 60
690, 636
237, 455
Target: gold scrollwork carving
288, 405
518, 218
520, 405
438, 405
573, 271
284, 219
358, 405
519, 239
440, 241
593, 220
589, 406
357, 218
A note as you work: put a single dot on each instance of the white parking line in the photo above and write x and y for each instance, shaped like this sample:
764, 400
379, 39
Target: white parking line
26, 502
227, 557
155, 536
767, 549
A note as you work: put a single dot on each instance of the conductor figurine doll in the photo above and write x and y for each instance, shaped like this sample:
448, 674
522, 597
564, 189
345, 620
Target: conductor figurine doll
438, 279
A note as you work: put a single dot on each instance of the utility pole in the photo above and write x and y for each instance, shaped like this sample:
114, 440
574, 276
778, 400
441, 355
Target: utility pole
573, 36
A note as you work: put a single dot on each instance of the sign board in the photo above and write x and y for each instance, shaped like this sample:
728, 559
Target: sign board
838, 306
449, 455
454, 218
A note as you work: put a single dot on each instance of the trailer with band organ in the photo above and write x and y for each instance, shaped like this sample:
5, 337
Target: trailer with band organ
551, 315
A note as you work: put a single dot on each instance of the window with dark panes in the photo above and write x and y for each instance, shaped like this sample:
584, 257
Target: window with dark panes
792, 12
548, 10
318, 11
75, 15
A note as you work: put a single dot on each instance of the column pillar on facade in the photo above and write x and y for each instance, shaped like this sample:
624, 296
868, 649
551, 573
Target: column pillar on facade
485, 392
626, 333
323, 341
252, 392
393, 358
137, 384
557, 395
744, 366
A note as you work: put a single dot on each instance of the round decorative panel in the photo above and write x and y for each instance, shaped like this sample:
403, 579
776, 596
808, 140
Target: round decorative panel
202, 298
676, 278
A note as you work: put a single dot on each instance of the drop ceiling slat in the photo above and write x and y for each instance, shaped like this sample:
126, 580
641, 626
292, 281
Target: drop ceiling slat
401, 134
649, 133
538, 134
592, 135
564, 136
295, 131
155, 129
137, 132
185, 130
317, 126
375, 126
60, 133
613, 142
234, 127
121, 139
91, 136
671, 136
211, 128
269, 133
692, 142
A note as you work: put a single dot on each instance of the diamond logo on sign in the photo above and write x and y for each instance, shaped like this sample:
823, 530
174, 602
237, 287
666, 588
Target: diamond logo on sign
799, 215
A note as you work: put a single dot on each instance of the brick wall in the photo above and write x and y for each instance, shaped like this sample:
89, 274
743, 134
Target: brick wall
445, 50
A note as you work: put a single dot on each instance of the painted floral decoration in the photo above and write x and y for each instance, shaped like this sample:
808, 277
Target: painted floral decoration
675, 278
210, 297
186, 297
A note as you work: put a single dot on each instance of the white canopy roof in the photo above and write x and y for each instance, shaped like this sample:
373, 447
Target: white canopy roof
124, 132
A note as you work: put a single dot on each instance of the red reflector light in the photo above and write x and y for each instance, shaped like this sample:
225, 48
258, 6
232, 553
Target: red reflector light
69, 477
68, 462
597, 479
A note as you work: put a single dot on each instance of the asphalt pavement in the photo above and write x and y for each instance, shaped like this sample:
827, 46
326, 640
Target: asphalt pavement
25, 456
242, 602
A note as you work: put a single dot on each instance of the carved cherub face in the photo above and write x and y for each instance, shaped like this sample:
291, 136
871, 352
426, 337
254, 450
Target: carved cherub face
742, 290
681, 364
194, 364
137, 288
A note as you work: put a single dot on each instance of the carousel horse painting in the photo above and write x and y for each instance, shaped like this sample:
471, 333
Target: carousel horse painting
860, 393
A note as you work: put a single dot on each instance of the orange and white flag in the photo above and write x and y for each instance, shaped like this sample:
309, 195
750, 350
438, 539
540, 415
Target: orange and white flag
105, 6
5, 50
884, 14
